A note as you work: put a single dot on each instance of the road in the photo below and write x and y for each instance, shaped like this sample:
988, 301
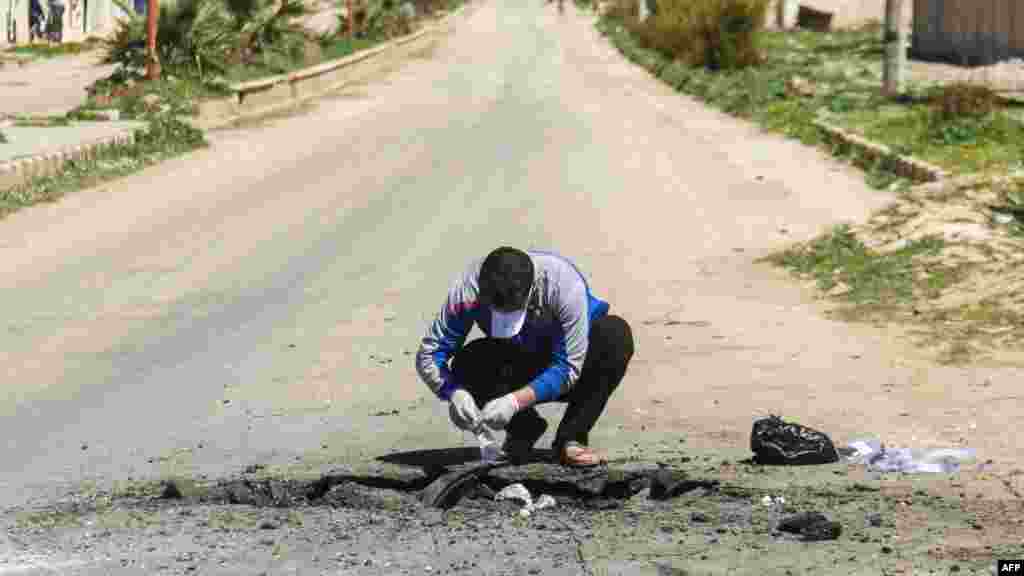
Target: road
259, 301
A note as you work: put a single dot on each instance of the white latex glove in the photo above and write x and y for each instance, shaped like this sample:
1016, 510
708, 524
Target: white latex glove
498, 412
463, 411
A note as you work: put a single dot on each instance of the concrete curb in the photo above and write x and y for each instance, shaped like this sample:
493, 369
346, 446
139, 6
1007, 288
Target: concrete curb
16, 60
17, 172
905, 166
266, 96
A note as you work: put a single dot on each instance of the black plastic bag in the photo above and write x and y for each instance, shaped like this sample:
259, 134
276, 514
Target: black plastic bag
777, 442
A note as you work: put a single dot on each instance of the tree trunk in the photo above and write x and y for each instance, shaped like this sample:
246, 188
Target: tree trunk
894, 68
643, 10
152, 57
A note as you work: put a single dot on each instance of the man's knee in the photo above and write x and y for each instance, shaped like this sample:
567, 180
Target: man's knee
474, 357
615, 335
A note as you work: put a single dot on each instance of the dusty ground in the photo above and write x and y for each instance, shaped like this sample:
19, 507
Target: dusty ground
49, 86
258, 302
980, 314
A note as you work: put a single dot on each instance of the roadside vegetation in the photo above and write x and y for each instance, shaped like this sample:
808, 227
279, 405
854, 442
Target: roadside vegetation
204, 46
164, 137
46, 50
941, 260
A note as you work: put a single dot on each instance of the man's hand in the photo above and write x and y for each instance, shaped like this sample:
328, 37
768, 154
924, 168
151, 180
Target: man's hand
497, 413
463, 411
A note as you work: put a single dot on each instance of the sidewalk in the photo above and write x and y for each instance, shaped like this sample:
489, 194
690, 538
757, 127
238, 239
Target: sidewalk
49, 86
27, 142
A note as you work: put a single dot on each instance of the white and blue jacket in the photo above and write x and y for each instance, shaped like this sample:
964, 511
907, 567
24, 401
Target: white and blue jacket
558, 321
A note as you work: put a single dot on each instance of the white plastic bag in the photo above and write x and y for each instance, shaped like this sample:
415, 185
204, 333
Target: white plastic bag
879, 458
490, 451
516, 492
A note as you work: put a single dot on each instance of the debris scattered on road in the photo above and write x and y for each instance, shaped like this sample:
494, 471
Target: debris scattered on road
387, 413
811, 526
667, 484
773, 501
879, 458
777, 442
874, 520
516, 492
171, 491
544, 501
268, 525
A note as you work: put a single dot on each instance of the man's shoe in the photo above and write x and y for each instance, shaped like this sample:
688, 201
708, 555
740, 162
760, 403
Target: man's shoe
517, 448
576, 455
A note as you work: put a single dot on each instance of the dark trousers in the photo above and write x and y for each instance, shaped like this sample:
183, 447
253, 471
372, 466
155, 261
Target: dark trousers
490, 368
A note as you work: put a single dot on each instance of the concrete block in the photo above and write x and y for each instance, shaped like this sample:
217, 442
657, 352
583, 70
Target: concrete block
336, 78
31, 168
9, 176
255, 99
308, 87
51, 164
218, 109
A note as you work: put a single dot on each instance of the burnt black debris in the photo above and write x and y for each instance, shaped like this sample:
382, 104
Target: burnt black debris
777, 442
667, 484
171, 492
600, 488
811, 526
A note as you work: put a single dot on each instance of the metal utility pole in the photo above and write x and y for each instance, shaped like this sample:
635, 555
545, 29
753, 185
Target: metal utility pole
894, 68
152, 58
783, 10
351, 17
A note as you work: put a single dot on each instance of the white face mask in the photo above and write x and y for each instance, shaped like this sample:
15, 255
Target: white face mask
508, 324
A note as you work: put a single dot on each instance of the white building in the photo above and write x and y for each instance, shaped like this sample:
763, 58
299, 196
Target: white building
82, 19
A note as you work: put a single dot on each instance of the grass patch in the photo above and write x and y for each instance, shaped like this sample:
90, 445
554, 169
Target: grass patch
332, 49
966, 144
41, 121
137, 98
52, 50
165, 137
841, 263
804, 74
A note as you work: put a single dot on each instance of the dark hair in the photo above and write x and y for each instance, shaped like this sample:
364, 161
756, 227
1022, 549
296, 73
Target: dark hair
505, 279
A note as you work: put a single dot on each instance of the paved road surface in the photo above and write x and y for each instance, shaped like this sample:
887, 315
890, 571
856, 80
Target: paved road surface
259, 301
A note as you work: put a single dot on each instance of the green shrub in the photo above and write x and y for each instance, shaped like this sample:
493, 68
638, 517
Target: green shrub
384, 19
208, 36
715, 34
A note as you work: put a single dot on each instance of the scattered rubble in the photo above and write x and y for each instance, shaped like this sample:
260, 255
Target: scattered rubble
811, 526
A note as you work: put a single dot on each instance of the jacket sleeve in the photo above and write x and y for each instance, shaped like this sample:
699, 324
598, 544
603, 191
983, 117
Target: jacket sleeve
571, 349
446, 335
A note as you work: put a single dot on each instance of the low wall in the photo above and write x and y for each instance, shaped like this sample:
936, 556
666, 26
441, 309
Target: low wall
267, 95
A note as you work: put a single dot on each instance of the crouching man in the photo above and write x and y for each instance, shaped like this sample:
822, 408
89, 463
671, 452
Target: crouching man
547, 339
